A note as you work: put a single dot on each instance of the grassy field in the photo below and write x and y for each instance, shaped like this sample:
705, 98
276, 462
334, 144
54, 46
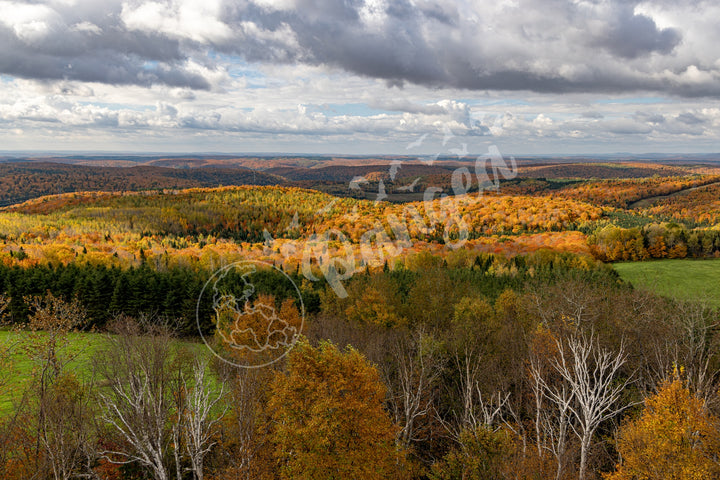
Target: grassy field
79, 353
80, 350
683, 279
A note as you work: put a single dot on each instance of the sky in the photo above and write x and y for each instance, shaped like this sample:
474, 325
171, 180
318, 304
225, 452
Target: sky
360, 76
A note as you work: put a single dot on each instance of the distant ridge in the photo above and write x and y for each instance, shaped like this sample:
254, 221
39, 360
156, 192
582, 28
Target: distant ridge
20, 181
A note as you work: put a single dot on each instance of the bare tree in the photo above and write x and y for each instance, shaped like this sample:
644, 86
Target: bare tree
6, 348
198, 421
413, 374
4, 305
569, 303
589, 372
696, 346
552, 422
479, 413
137, 404
649, 331
475, 411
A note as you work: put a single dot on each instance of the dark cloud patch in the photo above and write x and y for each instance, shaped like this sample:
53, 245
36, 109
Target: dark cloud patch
437, 45
105, 53
111, 68
444, 16
657, 118
395, 51
689, 119
479, 130
626, 127
631, 36
329, 11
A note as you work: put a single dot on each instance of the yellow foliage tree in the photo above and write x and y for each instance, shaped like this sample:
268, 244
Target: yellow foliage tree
328, 417
676, 438
373, 306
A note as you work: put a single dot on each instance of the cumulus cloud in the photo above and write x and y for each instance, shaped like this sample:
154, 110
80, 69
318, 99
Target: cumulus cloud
197, 20
527, 71
88, 43
403, 105
690, 118
552, 47
631, 35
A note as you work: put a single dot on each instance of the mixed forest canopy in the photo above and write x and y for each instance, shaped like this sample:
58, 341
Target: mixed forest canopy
479, 330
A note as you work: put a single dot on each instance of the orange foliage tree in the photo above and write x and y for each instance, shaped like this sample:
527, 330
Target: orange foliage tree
328, 415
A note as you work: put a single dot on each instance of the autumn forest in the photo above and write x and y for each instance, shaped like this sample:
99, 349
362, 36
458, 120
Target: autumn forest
319, 317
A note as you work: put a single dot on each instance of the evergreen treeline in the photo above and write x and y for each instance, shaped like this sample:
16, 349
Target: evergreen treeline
106, 292
173, 293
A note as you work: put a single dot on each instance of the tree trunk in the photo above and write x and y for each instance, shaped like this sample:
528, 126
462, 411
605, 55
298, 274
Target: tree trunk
199, 474
584, 446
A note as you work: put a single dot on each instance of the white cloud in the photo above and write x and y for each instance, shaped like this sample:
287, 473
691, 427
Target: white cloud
87, 27
31, 23
523, 73
197, 20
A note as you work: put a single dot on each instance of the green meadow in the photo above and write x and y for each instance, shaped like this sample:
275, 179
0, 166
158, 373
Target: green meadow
682, 278
78, 355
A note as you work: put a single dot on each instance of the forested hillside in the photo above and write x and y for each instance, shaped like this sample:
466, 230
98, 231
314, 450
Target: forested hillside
23, 181
477, 331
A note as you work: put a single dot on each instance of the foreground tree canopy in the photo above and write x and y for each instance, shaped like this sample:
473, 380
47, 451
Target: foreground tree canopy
329, 417
676, 437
